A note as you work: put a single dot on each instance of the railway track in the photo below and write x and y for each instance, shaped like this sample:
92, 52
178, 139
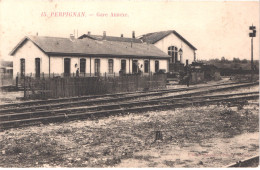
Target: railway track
109, 96
30, 118
249, 162
89, 100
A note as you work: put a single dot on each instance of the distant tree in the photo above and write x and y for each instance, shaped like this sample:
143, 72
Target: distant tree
244, 61
216, 60
236, 60
223, 59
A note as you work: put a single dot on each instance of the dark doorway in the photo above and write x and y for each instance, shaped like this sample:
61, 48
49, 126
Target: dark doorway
146, 66
97, 67
123, 66
22, 67
135, 66
156, 66
37, 67
82, 65
67, 67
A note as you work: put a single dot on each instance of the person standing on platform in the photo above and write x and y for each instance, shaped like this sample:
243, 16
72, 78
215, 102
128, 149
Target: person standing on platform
77, 72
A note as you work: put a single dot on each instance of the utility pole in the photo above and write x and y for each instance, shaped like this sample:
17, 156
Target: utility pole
252, 34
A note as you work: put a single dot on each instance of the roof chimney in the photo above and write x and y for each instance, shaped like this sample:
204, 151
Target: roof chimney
88, 32
133, 34
122, 35
104, 35
72, 37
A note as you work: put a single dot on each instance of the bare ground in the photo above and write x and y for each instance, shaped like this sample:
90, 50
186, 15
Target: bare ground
10, 97
210, 136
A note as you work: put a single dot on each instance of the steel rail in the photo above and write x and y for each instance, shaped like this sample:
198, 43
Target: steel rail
106, 100
120, 104
76, 114
249, 162
71, 99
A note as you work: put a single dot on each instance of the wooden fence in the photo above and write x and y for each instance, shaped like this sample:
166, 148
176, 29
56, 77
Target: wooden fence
197, 77
6, 79
79, 86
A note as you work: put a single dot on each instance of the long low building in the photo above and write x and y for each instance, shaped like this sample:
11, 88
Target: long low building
39, 55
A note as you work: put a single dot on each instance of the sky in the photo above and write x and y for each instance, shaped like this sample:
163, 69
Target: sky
215, 28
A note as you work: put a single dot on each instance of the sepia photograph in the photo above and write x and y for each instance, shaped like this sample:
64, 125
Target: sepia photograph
129, 83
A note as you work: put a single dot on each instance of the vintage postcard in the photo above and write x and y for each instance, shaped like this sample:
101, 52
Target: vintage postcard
129, 84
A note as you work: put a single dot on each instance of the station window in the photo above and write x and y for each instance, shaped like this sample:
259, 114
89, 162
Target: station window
97, 67
173, 52
110, 66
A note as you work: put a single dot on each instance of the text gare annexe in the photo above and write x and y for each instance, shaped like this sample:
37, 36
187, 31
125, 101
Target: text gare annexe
112, 14
118, 14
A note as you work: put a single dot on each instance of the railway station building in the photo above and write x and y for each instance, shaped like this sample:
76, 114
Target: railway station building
39, 55
172, 43
180, 50
101, 55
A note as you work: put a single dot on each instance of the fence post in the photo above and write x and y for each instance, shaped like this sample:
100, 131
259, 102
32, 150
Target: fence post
158, 135
24, 88
114, 74
16, 81
79, 87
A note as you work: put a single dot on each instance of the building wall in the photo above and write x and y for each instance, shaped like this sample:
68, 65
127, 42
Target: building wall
29, 52
57, 64
173, 40
58, 67
164, 64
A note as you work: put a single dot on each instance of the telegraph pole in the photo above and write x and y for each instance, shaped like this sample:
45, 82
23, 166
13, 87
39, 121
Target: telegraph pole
252, 34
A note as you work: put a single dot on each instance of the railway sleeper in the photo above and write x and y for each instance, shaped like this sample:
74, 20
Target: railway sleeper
49, 107
125, 105
138, 109
134, 93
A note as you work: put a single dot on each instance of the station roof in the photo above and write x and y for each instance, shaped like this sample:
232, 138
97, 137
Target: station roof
157, 36
111, 38
90, 47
